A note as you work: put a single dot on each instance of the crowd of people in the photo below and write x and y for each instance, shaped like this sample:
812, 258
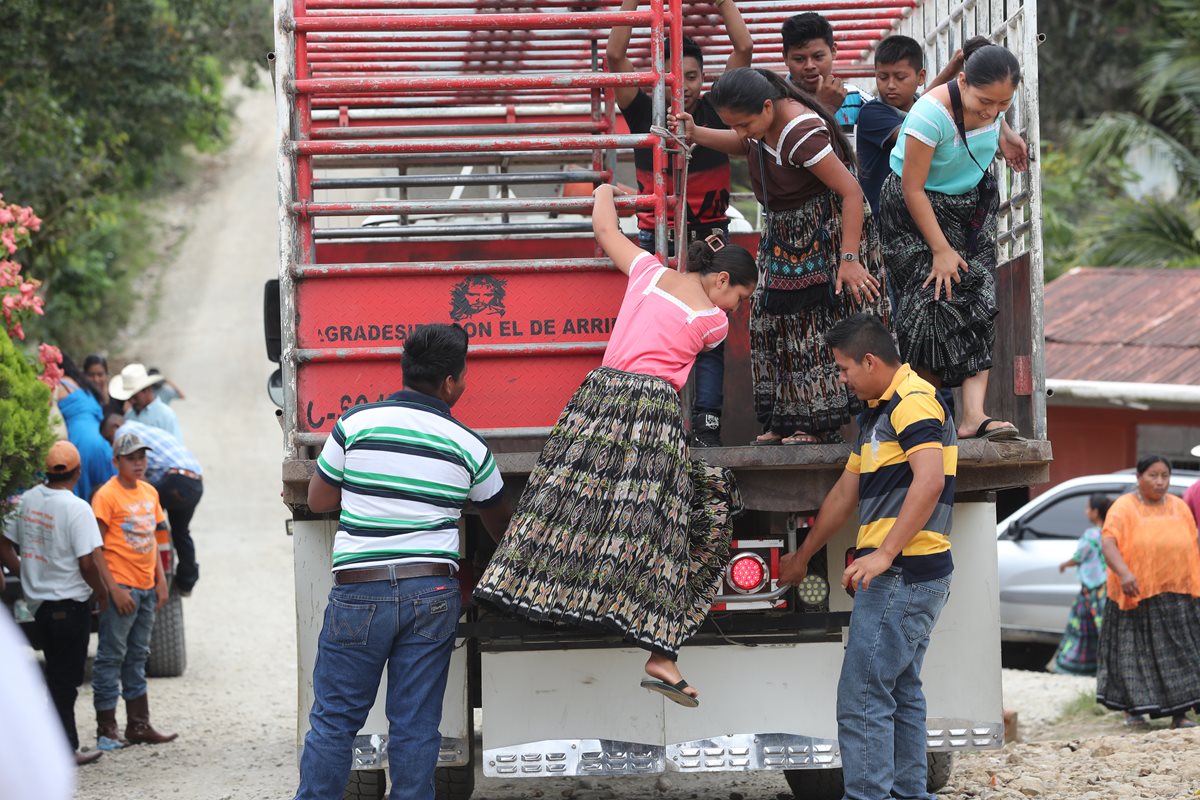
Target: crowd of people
87, 539
855, 314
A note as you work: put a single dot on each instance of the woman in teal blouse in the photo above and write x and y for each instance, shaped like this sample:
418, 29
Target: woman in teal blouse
937, 215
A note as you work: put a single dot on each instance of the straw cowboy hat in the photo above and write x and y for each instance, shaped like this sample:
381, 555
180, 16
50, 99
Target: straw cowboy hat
132, 380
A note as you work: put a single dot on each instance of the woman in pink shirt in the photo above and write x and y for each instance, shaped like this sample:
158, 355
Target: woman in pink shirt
617, 527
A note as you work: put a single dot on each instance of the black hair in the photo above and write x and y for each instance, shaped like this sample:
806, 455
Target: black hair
745, 89
55, 478
690, 50
72, 371
896, 49
985, 63
1146, 462
731, 258
94, 359
1100, 503
803, 28
862, 333
433, 353
114, 419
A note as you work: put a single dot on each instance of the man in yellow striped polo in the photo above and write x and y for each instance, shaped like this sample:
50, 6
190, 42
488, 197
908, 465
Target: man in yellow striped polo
900, 476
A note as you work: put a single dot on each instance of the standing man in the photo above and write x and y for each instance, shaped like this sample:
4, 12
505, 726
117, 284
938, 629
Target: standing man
139, 387
809, 52
179, 480
900, 476
402, 470
708, 182
57, 546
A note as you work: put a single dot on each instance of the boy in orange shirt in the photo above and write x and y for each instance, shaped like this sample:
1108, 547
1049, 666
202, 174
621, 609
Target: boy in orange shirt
129, 514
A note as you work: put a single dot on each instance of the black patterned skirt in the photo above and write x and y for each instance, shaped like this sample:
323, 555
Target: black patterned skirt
795, 378
1150, 656
952, 338
617, 527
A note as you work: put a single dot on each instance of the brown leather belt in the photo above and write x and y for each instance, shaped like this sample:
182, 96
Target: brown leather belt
392, 572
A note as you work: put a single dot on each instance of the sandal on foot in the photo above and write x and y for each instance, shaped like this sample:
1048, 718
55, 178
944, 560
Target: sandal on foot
1136, 721
671, 691
1183, 723
768, 439
1005, 433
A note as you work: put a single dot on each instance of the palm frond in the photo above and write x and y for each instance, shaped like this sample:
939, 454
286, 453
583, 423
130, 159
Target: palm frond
1147, 233
1114, 134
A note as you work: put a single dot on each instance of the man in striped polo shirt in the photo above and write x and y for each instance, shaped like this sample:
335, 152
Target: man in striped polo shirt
401, 470
900, 475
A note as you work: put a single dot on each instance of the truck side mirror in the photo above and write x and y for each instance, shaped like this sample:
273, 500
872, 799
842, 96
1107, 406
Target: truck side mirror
275, 388
273, 323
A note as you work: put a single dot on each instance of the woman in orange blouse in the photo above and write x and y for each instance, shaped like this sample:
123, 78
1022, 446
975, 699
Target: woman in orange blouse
1150, 640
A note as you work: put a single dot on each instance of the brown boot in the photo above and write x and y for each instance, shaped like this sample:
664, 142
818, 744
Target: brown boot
83, 759
137, 729
106, 729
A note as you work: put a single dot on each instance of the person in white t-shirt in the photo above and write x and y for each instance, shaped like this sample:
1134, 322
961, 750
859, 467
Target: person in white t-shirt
51, 541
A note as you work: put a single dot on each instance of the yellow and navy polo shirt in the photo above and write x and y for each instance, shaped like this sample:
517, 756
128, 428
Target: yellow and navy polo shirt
908, 418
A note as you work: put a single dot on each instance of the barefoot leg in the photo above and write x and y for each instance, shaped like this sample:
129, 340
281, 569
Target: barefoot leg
662, 668
974, 389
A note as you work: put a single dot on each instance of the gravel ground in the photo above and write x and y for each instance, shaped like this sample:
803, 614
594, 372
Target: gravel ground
235, 706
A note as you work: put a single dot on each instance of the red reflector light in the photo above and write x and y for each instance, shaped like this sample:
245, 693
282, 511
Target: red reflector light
747, 573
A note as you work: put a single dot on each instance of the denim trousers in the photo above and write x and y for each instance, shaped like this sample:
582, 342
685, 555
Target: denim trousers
709, 371
880, 705
406, 625
179, 496
63, 628
122, 650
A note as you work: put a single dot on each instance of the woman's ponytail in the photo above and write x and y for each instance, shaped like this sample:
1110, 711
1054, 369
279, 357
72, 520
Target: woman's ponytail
713, 254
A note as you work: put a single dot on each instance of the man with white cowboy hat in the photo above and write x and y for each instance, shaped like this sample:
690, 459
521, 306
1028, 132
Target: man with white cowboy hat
136, 385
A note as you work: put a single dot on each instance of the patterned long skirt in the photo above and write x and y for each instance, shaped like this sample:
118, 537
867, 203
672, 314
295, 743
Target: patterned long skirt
1078, 652
617, 527
952, 338
1150, 656
796, 386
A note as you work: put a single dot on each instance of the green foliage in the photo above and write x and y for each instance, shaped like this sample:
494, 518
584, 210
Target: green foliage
99, 101
1089, 217
25, 434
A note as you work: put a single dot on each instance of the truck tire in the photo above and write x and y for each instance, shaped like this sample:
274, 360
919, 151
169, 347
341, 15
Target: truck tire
168, 650
1031, 656
454, 783
940, 767
366, 784
827, 784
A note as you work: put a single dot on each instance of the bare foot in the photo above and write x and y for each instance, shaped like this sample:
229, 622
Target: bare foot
664, 669
770, 437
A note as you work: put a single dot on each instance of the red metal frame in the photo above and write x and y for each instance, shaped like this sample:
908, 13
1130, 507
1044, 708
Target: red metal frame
479, 84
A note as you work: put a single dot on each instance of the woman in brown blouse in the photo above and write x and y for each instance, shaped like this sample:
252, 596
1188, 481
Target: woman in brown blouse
819, 261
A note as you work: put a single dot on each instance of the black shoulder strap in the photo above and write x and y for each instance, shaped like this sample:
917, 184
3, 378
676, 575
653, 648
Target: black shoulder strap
762, 173
956, 105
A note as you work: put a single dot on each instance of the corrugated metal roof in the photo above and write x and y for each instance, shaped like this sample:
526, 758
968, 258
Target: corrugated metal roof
1114, 324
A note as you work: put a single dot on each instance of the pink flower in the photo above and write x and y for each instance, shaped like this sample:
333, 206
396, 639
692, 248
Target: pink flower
17, 332
6, 216
49, 354
10, 274
9, 239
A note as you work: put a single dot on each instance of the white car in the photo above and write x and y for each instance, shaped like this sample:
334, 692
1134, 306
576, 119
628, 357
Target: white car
1035, 598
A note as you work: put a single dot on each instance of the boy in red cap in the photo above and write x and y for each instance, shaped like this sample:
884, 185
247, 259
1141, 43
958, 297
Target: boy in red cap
52, 544
129, 515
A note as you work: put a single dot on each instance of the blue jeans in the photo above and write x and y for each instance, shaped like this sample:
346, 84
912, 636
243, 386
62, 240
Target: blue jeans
880, 705
122, 648
709, 370
407, 625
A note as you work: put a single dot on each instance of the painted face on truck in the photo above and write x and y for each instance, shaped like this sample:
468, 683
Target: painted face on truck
810, 63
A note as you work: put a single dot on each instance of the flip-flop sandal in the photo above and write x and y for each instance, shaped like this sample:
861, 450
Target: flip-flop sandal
800, 438
1005, 433
671, 691
1137, 722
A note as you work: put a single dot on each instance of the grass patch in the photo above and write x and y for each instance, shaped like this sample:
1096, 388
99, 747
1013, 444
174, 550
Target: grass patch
1082, 707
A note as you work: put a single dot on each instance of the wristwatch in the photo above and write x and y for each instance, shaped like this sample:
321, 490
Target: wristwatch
850, 257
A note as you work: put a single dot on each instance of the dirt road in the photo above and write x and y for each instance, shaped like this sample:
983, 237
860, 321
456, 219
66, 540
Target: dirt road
235, 707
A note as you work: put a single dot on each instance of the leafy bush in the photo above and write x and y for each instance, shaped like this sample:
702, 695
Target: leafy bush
25, 435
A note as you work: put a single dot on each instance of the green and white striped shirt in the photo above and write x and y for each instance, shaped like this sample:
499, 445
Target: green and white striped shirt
406, 468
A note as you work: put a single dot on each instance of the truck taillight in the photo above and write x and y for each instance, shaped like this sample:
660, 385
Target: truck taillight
747, 572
